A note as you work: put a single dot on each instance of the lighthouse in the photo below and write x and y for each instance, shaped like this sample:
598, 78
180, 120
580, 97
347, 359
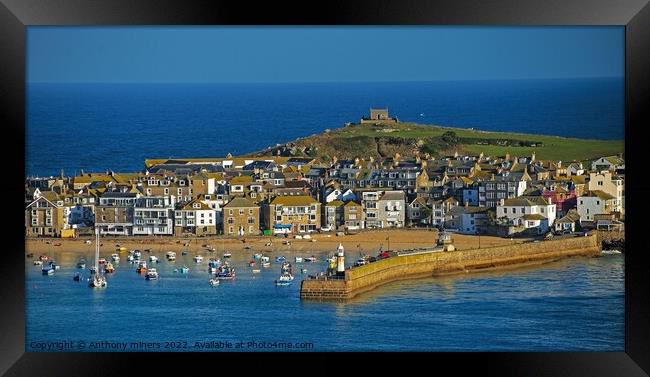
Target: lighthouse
340, 260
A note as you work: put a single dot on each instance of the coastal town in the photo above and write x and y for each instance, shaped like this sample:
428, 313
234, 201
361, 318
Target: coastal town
504, 196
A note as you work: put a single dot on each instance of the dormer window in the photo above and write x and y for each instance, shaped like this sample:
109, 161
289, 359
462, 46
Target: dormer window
197, 205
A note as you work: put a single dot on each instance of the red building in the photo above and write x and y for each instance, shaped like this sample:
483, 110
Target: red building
564, 198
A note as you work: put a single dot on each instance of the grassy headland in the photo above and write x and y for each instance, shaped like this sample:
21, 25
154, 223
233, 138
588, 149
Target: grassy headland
411, 139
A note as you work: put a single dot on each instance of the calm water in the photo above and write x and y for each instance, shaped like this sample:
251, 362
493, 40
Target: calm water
572, 305
98, 127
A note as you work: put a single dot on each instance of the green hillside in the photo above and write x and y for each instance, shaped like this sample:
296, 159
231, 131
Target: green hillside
410, 139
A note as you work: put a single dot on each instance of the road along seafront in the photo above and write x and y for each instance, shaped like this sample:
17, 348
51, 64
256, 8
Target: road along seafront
435, 262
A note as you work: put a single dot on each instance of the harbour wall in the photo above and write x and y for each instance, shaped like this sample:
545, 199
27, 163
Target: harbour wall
369, 276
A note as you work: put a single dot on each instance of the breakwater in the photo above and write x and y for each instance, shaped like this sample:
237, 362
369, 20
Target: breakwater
364, 278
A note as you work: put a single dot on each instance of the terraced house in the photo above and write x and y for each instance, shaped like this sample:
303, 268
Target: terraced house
293, 214
241, 217
44, 218
114, 214
153, 215
196, 218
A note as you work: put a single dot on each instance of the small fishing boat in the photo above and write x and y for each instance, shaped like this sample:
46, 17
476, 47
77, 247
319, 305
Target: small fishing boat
184, 270
264, 259
171, 256
115, 257
311, 259
214, 263
184, 252
266, 264
252, 263
142, 267
226, 272
298, 259
130, 258
77, 276
48, 270
198, 259
38, 263
214, 282
257, 256
227, 255
55, 265
102, 261
281, 258
93, 270
284, 280
137, 254
153, 258
109, 268
256, 270
152, 274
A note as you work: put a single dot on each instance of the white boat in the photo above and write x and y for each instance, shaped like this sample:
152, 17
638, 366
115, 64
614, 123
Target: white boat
153, 258
171, 255
102, 261
130, 258
360, 262
48, 270
214, 282
198, 259
298, 259
115, 257
310, 259
266, 264
264, 259
227, 255
152, 274
284, 279
137, 254
256, 270
38, 263
98, 280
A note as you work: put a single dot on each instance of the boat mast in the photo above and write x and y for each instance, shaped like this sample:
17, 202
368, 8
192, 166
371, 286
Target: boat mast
96, 250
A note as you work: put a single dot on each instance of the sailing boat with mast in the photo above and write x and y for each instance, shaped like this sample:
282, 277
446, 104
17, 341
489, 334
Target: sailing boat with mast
98, 280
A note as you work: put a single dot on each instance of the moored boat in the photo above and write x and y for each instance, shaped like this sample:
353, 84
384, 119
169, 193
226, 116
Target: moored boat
152, 274
153, 258
226, 272
198, 258
264, 259
171, 256
256, 270
81, 265
227, 255
101, 261
281, 258
108, 268
142, 267
184, 270
115, 257
252, 263
257, 256
298, 259
284, 279
310, 259
214, 282
48, 270
266, 264
38, 263
98, 280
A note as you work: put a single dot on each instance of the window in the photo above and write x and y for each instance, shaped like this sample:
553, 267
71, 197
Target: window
179, 191
231, 220
278, 218
166, 191
241, 211
523, 210
230, 229
230, 212
251, 220
250, 211
202, 221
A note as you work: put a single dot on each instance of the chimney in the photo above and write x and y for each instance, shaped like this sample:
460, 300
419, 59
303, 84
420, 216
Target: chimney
502, 201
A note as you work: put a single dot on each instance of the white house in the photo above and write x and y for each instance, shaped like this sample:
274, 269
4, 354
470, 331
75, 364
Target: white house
154, 215
528, 212
608, 163
609, 184
595, 203
196, 217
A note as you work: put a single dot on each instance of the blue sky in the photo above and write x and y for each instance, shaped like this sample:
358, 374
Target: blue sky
320, 54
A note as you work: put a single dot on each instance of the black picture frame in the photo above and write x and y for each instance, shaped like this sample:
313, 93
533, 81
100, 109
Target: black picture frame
16, 15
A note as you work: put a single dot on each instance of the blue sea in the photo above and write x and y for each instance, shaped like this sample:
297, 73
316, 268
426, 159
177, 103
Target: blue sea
117, 126
575, 304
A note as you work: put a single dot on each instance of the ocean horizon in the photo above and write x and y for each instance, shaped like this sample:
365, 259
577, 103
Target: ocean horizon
99, 126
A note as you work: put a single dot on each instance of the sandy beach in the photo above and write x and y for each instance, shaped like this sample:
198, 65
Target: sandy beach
368, 242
